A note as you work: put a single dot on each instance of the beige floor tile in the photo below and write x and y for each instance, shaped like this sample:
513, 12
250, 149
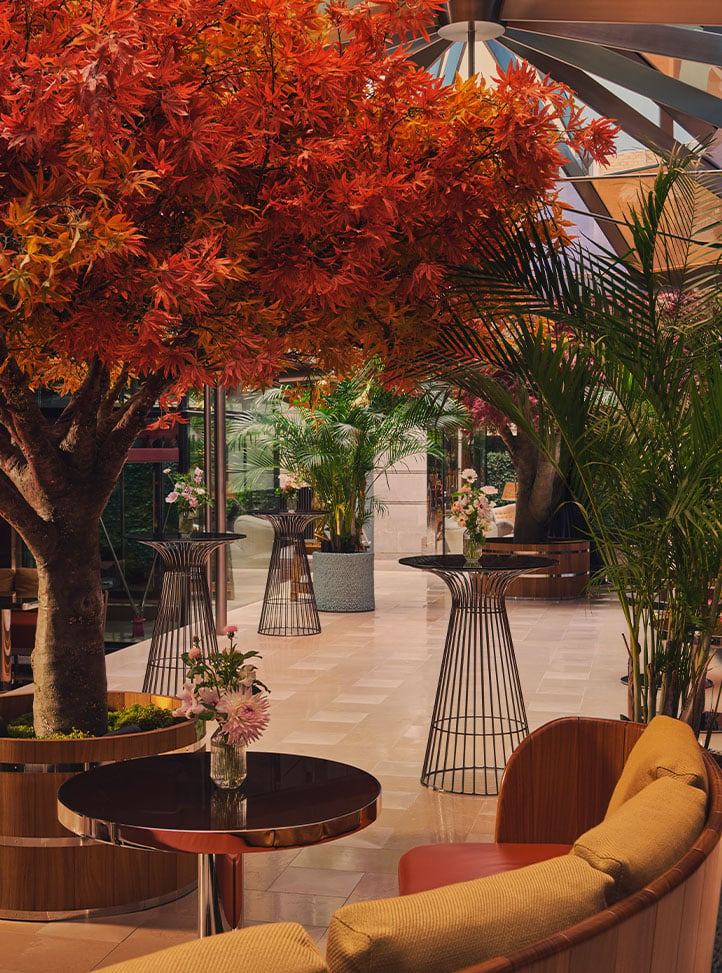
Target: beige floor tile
144, 941
87, 930
375, 887
337, 716
316, 881
330, 856
314, 910
36, 954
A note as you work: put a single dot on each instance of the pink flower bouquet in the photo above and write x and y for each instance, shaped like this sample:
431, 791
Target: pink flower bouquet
188, 493
223, 686
472, 506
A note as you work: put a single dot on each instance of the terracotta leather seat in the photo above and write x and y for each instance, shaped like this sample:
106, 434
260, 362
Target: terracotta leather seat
431, 866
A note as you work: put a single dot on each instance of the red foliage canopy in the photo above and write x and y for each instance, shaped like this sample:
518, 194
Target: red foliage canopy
196, 187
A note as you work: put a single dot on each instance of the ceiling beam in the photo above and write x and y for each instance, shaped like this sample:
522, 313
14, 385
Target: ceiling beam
598, 211
678, 42
700, 130
601, 100
626, 72
426, 55
695, 12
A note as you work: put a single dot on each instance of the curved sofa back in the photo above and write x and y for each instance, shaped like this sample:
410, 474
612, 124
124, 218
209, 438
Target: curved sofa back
571, 765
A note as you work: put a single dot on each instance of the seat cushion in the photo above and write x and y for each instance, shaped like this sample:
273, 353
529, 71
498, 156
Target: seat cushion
277, 947
448, 928
667, 748
430, 866
646, 836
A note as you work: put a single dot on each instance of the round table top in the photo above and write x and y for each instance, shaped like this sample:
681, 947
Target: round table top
286, 513
487, 562
169, 802
175, 537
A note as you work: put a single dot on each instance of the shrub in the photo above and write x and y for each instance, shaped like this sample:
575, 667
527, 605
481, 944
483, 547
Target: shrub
499, 470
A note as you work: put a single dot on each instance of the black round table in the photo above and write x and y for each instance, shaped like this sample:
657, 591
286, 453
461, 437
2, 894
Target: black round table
184, 609
479, 716
169, 803
289, 602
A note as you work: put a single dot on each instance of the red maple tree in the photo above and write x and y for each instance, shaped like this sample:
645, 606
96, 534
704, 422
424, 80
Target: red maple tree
191, 189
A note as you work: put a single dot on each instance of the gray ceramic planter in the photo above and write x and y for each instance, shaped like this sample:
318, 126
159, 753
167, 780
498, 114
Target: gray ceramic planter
344, 582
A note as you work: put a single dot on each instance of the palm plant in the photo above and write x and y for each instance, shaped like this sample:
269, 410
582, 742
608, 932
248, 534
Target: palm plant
339, 438
623, 356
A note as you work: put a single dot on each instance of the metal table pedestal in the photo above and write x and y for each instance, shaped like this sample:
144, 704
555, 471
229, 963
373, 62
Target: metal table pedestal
289, 602
184, 609
479, 715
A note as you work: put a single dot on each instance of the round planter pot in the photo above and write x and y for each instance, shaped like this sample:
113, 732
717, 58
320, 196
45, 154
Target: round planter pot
344, 582
47, 872
568, 578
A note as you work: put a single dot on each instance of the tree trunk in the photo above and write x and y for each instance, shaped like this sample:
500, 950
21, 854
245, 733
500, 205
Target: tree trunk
56, 475
69, 656
539, 490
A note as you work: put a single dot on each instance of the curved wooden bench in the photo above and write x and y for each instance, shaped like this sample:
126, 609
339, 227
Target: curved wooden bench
557, 785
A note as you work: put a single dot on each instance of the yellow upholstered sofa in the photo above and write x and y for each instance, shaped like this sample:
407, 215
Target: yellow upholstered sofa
607, 858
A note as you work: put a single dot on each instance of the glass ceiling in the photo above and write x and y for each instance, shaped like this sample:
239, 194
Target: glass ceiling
660, 81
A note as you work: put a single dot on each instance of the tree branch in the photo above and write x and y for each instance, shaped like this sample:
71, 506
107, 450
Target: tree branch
25, 423
128, 420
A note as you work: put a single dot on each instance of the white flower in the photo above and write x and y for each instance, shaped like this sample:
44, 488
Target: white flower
247, 675
190, 706
469, 475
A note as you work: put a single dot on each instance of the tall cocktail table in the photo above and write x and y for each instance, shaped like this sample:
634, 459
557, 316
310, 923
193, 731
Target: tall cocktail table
479, 715
289, 602
169, 803
184, 609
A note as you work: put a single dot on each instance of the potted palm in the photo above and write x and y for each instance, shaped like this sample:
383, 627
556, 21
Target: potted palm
630, 376
339, 438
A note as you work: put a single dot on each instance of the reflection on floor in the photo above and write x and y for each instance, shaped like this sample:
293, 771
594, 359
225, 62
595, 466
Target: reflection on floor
359, 692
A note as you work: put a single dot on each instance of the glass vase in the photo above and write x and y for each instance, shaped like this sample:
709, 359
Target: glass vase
228, 762
473, 548
186, 522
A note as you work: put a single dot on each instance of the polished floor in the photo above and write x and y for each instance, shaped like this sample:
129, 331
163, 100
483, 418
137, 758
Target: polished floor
360, 692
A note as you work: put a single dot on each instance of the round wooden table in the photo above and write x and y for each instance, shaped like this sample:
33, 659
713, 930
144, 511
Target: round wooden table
479, 715
170, 803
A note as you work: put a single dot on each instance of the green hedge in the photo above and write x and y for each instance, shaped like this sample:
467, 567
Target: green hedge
499, 470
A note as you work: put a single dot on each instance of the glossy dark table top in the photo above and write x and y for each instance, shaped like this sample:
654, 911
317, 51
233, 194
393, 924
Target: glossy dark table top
487, 562
170, 802
286, 513
197, 535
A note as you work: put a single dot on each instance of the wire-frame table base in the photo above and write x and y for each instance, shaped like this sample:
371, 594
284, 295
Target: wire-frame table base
289, 602
184, 609
479, 715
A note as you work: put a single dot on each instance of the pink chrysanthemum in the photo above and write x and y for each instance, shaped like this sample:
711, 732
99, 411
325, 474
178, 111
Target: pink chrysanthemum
246, 716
